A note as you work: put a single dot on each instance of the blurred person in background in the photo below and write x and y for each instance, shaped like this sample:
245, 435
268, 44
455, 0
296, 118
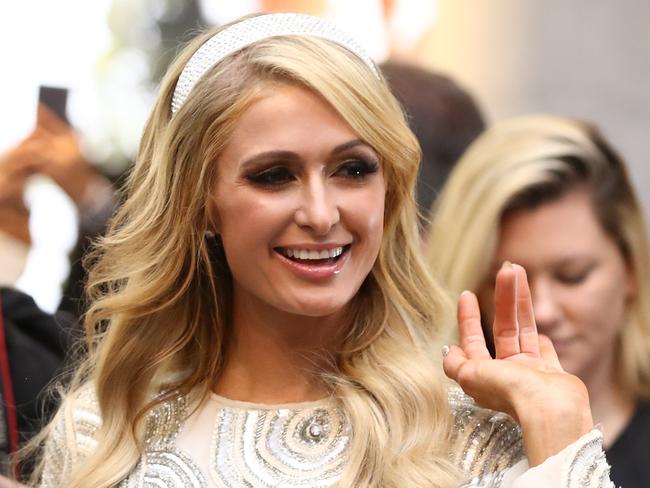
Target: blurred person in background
551, 195
52, 150
15, 238
444, 117
35, 344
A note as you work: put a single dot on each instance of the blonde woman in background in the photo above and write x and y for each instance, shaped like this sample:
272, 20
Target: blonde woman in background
551, 195
261, 315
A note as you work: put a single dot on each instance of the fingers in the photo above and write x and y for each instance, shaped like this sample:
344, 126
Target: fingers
528, 342
472, 340
505, 328
489, 382
454, 358
46, 119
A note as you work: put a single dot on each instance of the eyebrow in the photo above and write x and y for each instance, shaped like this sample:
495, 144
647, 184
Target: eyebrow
292, 156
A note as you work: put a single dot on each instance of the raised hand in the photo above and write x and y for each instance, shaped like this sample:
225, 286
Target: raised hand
14, 171
525, 378
55, 152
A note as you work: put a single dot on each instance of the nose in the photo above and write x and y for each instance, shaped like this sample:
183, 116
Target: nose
546, 307
318, 210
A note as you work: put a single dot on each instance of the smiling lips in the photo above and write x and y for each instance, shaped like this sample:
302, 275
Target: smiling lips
312, 255
314, 264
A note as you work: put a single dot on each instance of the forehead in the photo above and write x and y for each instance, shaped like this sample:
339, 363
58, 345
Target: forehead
561, 227
287, 117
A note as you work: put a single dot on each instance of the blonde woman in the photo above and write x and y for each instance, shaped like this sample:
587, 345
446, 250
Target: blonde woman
260, 314
551, 195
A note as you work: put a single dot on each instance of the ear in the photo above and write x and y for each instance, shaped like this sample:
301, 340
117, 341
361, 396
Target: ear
214, 222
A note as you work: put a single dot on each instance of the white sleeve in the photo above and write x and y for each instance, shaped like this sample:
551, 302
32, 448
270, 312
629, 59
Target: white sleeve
579, 465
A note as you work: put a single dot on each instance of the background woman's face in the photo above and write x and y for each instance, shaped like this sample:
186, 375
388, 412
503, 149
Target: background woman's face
579, 279
299, 204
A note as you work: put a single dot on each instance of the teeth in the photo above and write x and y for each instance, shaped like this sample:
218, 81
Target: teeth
311, 254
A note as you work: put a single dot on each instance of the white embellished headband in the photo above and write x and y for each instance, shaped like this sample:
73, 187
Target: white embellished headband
247, 32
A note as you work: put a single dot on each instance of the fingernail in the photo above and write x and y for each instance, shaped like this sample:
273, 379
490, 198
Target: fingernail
506, 264
445, 350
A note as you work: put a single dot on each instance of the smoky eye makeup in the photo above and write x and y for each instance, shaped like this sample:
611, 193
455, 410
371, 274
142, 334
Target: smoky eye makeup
354, 161
270, 169
274, 175
357, 168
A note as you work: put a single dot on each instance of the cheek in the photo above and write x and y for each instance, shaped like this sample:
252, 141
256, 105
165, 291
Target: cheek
241, 215
600, 306
367, 218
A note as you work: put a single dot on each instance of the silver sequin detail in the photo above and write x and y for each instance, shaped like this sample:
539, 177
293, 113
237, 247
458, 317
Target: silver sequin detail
166, 469
269, 448
485, 443
589, 468
490, 480
315, 427
164, 423
162, 465
247, 32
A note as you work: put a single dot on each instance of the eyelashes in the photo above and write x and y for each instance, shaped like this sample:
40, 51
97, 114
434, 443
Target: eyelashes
576, 277
356, 170
275, 176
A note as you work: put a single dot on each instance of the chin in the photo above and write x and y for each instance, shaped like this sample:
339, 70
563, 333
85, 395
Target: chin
571, 366
317, 308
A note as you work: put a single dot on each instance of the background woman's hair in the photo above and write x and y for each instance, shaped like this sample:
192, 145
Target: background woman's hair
525, 162
160, 292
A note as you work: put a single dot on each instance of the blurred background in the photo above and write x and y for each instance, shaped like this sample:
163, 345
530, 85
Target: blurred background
585, 58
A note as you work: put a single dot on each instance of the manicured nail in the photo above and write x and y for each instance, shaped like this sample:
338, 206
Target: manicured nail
445, 350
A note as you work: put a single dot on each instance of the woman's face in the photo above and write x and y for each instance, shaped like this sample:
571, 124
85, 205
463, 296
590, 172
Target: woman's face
579, 279
299, 204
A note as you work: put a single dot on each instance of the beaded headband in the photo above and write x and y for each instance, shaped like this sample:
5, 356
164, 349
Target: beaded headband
249, 31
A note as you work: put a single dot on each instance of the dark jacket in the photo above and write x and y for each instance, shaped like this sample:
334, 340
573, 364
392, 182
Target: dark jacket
35, 348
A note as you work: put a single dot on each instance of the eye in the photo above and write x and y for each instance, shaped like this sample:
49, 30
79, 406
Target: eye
357, 169
574, 277
275, 176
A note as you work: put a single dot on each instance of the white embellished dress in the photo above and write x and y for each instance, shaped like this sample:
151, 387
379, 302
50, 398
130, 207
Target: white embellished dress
226, 443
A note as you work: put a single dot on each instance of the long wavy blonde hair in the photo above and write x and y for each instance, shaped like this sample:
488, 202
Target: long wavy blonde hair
524, 162
160, 294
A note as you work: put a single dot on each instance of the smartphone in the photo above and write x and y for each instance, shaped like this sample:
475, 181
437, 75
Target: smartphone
56, 99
